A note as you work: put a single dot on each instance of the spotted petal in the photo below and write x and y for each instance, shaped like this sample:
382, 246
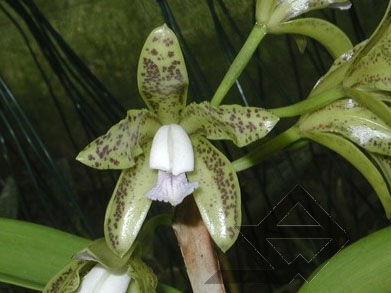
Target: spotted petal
68, 280
162, 76
242, 125
128, 206
350, 119
371, 68
218, 194
122, 143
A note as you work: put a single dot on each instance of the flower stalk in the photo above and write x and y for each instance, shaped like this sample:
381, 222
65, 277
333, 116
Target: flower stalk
197, 249
255, 37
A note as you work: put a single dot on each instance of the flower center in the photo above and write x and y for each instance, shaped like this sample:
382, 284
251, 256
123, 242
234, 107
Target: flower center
172, 154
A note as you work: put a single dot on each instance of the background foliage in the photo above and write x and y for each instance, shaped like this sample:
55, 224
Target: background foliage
68, 72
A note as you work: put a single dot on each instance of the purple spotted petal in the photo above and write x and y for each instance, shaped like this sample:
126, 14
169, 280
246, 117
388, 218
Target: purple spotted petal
218, 194
171, 188
122, 142
162, 76
371, 68
242, 125
128, 206
353, 121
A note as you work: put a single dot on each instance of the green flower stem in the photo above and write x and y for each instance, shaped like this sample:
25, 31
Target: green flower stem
240, 62
264, 150
310, 104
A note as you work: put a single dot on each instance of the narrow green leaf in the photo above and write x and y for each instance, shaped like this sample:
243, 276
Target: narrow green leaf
128, 206
218, 194
242, 125
30, 254
330, 36
352, 154
356, 123
162, 76
364, 266
122, 142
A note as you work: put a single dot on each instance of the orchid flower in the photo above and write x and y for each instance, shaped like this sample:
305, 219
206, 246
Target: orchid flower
358, 126
160, 149
96, 269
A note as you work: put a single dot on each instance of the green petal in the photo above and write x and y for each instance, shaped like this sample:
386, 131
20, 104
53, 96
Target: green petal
98, 251
326, 33
68, 279
371, 68
218, 194
288, 9
162, 76
337, 72
242, 125
128, 206
365, 166
357, 123
122, 143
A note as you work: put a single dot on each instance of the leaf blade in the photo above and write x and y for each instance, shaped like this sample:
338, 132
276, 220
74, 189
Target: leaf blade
47, 251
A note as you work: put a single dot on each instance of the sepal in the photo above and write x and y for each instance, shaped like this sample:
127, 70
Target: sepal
122, 143
241, 125
128, 206
162, 75
218, 194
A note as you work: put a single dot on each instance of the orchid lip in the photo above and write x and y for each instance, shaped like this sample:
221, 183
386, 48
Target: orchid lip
172, 154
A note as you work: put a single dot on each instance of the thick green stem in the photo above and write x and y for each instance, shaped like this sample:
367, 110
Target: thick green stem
310, 104
240, 62
263, 151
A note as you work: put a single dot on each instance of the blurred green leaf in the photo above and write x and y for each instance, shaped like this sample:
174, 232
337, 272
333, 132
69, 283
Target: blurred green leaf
31, 254
364, 266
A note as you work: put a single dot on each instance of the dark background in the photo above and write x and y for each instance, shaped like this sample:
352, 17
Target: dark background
68, 72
